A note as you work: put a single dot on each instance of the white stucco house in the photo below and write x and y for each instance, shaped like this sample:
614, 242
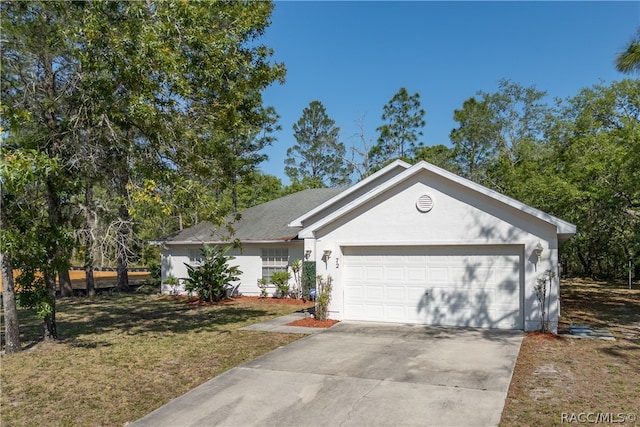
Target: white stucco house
408, 244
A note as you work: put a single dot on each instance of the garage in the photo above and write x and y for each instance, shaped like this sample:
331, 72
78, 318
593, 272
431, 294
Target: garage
459, 285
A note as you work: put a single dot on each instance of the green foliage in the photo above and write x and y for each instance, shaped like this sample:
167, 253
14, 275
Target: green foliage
323, 296
576, 160
151, 257
492, 129
439, 155
258, 188
318, 158
33, 293
296, 269
153, 107
262, 284
27, 236
599, 144
308, 277
474, 140
628, 61
211, 278
281, 280
399, 136
173, 282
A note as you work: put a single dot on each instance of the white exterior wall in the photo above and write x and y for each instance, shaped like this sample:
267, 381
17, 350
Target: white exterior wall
248, 259
459, 217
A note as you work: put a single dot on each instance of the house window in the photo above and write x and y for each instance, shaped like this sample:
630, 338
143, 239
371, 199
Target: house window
274, 259
195, 257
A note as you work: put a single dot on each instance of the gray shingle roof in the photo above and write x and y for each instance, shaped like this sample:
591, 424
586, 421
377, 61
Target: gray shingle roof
267, 221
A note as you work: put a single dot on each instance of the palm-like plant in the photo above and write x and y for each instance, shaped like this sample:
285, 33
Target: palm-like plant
211, 278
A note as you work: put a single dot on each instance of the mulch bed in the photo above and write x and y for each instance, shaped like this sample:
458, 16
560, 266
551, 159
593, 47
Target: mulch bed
271, 300
310, 322
548, 336
193, 301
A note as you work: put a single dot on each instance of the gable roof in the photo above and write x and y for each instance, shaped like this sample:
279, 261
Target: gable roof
565, 229
283, 219
267, 222
392, 169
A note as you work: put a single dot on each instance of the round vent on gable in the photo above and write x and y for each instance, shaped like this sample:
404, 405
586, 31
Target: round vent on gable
424, 203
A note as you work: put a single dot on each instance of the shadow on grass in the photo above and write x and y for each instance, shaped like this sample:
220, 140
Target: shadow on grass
81, 321
606, 305
601, 305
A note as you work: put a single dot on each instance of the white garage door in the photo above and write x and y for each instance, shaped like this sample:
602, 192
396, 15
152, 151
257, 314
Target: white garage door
478, 286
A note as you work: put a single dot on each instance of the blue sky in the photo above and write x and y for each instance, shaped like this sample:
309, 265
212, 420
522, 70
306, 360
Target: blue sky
354, 56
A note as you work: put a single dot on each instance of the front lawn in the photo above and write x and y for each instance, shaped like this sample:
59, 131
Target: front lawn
567, 379
123, 355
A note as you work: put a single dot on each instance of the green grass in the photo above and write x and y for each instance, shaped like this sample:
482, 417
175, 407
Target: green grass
121, 356
566, 375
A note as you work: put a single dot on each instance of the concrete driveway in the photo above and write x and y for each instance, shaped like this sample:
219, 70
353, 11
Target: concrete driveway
360, 374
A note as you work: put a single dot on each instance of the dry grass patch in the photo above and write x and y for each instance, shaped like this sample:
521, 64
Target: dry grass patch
123, 355
556, 375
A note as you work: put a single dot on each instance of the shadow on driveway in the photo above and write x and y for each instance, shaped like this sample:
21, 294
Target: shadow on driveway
360, 374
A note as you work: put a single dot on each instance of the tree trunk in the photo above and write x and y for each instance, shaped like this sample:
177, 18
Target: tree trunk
64, 282
89, 241
53, 259
50, 327
234, 193
586, 265
122, 258
11, 325
90, 281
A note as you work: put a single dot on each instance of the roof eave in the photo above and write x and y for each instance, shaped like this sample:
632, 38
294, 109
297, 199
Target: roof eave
225, 242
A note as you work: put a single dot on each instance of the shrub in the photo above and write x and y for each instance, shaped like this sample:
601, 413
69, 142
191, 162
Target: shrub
541, 294
281, 280
262, 284
323, 297
308, 278
296, 268
173, 282
210, 279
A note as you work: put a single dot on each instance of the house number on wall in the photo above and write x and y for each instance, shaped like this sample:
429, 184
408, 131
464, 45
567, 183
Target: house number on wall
337, 263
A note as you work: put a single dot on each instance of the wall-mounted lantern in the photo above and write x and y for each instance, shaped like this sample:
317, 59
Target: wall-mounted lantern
326, 254
307, 254
538, 250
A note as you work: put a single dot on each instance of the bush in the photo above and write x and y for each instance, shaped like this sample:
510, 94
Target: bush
210, 279
541, 294
173, 282
281, 280
308, 278
296, 268
323, 297
262, 284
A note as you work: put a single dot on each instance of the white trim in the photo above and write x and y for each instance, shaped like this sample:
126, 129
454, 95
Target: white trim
422, 243
562, 226
221, 242
398, 163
